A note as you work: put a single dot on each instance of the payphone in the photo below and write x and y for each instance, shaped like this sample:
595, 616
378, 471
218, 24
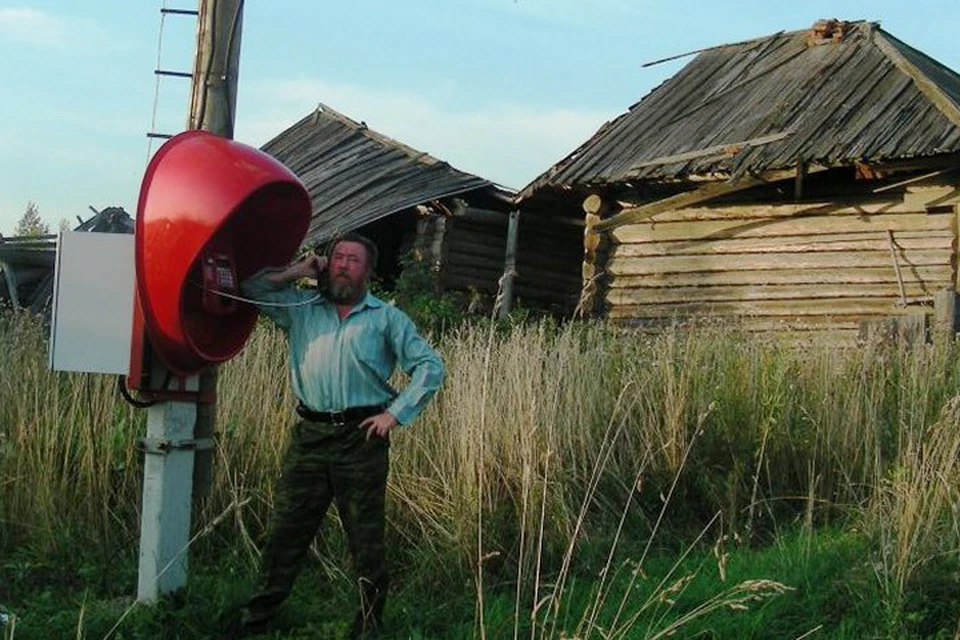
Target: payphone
211, 213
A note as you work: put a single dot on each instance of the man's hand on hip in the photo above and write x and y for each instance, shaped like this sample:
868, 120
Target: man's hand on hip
379, 425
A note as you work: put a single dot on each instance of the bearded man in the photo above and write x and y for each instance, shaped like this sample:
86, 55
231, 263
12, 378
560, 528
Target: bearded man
344, 347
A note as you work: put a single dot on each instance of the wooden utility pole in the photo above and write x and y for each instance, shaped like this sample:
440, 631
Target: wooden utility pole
177, 446
213, 105
217, 67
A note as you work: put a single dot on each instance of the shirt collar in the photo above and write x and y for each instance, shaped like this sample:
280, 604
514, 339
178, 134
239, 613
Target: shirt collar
367, 301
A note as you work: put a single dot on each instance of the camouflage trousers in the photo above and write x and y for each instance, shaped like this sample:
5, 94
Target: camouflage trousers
327, 462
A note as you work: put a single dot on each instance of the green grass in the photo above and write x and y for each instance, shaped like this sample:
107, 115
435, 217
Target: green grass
833, 593
568, 480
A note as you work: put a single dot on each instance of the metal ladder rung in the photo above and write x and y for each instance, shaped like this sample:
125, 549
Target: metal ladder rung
175, 74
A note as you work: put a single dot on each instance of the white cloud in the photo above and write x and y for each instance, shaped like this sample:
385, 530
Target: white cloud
508, 143
24, 25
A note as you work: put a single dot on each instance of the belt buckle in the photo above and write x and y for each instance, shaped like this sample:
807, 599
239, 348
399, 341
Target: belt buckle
338, 418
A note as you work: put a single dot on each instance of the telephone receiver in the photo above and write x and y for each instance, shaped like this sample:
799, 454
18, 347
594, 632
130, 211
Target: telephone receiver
219, 278
323, 277
211, 213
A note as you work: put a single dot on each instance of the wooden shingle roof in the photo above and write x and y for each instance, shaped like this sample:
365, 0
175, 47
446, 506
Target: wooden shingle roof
841, 93
355, 175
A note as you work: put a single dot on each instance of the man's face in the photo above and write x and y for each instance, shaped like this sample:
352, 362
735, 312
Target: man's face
349, 268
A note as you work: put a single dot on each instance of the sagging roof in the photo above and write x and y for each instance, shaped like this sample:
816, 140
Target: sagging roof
355, 175
109, 220
840, 93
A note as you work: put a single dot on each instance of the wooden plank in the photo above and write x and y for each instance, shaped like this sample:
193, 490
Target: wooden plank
871, 241
554, 233
935, 275
795, 308
461, 237
509, 266
910, 181
761, 261
720, 150
494, 263
486, 251
765, 323
718, 229
847, 207
17, 256
889, 290
932, 196
10, 279
524, 275
689, 198
536, 292
929, 88
502, 218
482, 256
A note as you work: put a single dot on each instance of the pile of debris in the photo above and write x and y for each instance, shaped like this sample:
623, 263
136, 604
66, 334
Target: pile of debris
27, 262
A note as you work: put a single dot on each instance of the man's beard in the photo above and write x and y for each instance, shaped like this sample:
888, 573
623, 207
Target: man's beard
342, 291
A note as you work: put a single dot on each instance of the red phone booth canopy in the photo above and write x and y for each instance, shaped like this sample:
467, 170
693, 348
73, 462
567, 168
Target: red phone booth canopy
211, 213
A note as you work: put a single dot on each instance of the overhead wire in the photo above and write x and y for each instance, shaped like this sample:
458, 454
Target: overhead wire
156, 90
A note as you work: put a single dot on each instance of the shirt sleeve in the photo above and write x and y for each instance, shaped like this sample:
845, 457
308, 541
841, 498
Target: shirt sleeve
259, 289
420, 361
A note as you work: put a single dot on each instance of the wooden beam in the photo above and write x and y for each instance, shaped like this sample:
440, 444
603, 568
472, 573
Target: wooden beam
916, 200
914, 164
945, 313
782, 308
896, 265
629, 266
935, 276
594, 204
11, 280
505, 299
720, 150
801, 225
812, 292
488, 216
788, 245
920, 178
690, 198
591, 271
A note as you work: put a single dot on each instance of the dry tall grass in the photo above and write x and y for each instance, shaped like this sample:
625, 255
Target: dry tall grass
541, 440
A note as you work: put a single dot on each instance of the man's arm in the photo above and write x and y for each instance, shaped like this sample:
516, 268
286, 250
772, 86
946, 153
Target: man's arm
422, 364
311, 266
274, 285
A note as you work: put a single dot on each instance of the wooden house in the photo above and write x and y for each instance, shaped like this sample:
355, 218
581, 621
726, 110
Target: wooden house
411, 203
806, 181
27, 262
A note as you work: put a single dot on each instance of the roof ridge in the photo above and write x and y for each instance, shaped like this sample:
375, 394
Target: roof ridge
415, 154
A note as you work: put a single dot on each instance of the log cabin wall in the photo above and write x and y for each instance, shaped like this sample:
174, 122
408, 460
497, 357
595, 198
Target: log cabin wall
548, 254
473, 251
812, 266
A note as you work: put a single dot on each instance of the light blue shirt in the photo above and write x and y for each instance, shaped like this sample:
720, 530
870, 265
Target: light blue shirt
337, 364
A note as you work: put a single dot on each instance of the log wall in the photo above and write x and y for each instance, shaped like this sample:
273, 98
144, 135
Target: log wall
548, 258
810, 266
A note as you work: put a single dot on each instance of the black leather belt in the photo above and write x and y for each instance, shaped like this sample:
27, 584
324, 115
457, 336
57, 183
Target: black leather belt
351, 414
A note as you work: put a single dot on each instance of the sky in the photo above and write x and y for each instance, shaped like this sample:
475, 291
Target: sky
499, 88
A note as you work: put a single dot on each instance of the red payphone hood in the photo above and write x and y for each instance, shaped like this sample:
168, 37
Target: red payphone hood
202, 191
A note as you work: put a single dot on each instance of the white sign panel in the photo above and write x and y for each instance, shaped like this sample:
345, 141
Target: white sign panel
93, 303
